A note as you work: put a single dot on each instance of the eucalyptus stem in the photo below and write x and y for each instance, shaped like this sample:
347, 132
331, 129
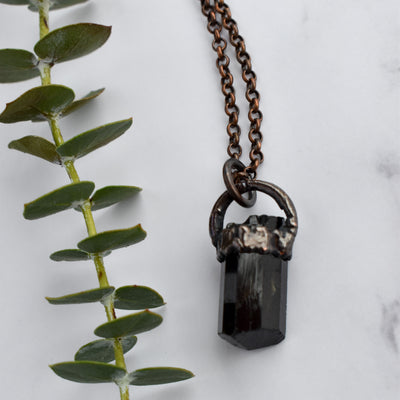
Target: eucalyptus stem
45, 74
44, 6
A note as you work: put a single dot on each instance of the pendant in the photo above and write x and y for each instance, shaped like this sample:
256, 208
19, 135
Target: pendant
254, 257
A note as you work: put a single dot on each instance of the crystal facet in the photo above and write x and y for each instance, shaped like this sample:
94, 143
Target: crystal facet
254, 271
253, 288
253, 300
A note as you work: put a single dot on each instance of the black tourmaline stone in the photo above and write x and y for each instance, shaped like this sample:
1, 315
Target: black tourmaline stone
253, 300
253, 285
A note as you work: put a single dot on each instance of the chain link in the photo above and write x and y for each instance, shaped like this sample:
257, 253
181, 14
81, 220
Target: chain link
219, 17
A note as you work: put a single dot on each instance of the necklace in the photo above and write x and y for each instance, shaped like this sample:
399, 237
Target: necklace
255, 254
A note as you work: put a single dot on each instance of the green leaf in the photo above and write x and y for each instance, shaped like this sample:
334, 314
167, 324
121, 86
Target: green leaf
112, 240
158, 376
36, 146
37, 104
109, 195
72, 41
58, 200
57, 4
103, 350
54, 4
88, 296
76, 105
70, 255
17, 65
132, 324
137, 298
88, 371
89, 141
15, 2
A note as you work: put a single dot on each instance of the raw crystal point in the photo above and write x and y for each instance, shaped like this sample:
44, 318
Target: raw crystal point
253, 296
253, 300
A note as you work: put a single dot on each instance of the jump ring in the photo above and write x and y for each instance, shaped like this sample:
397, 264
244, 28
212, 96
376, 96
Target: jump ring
236, 191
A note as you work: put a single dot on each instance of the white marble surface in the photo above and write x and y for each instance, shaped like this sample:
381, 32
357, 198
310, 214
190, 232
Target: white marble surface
329, 74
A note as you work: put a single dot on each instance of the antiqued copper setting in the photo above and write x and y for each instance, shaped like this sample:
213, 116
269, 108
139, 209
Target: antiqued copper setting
255, 235
254, 254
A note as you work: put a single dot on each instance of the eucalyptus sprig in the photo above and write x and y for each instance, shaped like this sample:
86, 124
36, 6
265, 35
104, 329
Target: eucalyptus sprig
50, 102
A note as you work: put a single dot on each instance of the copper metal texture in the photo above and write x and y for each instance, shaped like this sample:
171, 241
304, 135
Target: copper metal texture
255, 237
253, 254
236, 184
219, 17
254, 257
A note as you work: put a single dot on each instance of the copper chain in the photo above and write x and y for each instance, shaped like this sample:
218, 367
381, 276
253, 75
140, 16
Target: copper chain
219, 17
